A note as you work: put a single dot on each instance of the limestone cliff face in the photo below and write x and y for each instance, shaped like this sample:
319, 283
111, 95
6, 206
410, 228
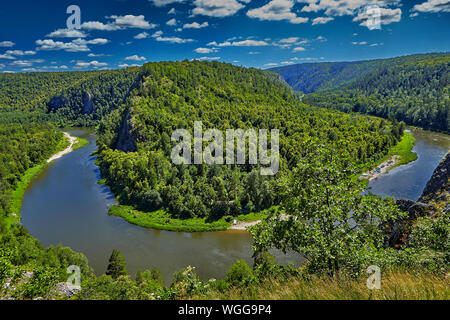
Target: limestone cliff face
88, 104
435, 197
437, 190
126, 141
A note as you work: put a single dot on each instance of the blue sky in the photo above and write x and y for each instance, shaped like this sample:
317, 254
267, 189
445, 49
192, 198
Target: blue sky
255, 33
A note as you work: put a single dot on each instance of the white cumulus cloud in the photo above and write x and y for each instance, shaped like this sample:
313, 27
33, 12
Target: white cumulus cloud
77, 45
195, 25
214, 8
277, 10
135, 58
433, 6
7, 44
67, 33
322, 20
142, 35
119, 23
387, 16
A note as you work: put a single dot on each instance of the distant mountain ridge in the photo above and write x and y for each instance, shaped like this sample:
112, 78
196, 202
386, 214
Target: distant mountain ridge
312, 77
414, 89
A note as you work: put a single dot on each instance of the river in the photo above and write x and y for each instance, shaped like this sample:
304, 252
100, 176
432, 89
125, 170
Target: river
65, 205
408, 181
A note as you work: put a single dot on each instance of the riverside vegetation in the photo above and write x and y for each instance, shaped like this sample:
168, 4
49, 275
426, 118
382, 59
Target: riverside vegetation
315, 193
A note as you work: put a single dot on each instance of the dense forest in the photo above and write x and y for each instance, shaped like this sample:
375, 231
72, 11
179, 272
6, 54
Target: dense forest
413, 89
222, 96
22, 147
320, 76
64, 98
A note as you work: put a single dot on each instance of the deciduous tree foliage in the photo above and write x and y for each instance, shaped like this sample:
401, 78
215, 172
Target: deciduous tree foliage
325, 216
22, 147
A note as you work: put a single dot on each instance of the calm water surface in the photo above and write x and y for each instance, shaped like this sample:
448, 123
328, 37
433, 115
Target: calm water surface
65, 205
408, 181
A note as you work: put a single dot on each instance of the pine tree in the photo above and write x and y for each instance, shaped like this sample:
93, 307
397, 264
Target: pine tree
116, 266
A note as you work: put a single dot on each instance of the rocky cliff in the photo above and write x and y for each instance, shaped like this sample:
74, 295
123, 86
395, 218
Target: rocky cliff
435, 199
88, 104
437, 190
126, 141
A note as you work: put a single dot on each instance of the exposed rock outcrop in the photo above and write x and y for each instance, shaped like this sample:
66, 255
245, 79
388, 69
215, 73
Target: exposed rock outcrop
62, 290
413, 208
126, 142
66, 289
436, 196
88, 104
438, 187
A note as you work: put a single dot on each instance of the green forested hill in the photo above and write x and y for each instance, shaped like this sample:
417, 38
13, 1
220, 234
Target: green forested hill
65, 98
416, 93
414, 89
175, 94
312, 77
32, 91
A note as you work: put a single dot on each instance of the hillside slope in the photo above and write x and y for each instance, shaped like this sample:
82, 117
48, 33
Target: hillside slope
136, 146
65, 98
312, 77
414, 89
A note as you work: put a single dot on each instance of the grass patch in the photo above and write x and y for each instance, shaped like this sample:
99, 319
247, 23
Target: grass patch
400, 285
17, 195
402, 150
256, 216
161, 220
80, 143
63, 144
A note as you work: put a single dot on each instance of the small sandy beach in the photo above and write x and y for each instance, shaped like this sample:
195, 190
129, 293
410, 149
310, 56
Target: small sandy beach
66, 151
243, 225
380, 169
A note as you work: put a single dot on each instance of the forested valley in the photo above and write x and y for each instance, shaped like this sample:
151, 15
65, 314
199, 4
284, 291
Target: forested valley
413, 89
310, 207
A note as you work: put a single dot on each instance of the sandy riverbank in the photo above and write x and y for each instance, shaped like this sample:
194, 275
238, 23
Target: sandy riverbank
381, 168
69, 149
243, 225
